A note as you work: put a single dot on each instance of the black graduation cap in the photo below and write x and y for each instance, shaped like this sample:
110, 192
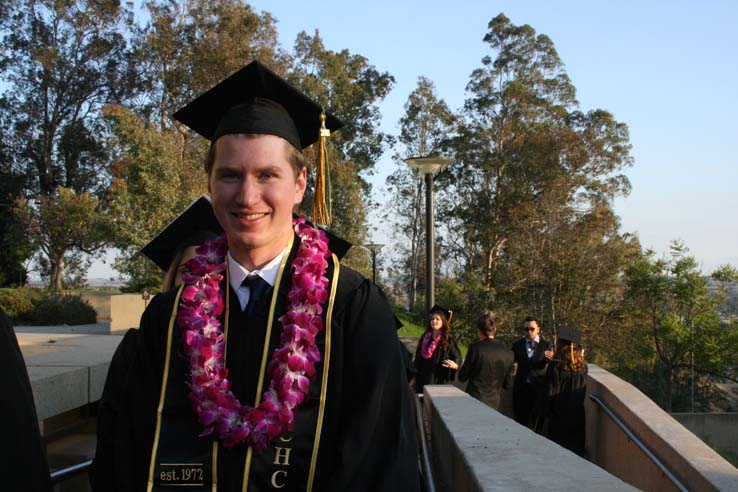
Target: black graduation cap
192, 227
255, 100
446, 312
569, 335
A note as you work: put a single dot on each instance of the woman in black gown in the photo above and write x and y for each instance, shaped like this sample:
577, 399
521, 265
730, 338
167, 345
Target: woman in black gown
437, 357
566, 383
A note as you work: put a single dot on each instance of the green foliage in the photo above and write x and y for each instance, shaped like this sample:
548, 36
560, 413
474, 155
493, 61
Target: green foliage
63, 226
152, 185
349, 86
410, 328
62, 61
18, 303
43, 308
15, 246
56, 309
679, 318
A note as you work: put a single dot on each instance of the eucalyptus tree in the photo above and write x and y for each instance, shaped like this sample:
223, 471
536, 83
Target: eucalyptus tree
61, 61
349, 86
425, 128
533, 184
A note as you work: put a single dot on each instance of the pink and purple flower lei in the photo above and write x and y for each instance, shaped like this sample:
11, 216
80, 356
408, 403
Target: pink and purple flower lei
429, 343
292, 365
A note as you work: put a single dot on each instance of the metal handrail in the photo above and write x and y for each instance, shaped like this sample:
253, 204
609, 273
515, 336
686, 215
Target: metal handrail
64, 473
638, 443
425, 465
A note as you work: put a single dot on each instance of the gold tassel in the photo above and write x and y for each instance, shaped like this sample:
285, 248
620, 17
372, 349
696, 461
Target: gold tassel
322, 196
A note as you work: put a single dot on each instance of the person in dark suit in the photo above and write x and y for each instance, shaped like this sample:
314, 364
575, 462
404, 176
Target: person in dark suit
488, 366
23, 466
532, 353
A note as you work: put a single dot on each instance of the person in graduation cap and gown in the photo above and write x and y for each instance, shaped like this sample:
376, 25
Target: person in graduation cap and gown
565, 391
176, 244
23, 465
437, 357
273, 367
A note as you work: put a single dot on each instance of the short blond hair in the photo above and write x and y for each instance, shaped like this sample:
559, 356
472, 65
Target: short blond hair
294, 156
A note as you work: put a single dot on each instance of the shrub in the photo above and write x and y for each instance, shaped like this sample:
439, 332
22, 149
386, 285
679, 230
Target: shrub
57, 309
18, 303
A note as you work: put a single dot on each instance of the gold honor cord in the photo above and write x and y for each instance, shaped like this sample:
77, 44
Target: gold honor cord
326, 364
164, 379
265, 354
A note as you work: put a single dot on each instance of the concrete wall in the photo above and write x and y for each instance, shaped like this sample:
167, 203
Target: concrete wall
125, 312
101, 304
718, 430
696, 465
476, 448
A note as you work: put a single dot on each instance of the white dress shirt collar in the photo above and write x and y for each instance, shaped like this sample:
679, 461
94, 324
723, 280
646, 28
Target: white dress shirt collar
238, 273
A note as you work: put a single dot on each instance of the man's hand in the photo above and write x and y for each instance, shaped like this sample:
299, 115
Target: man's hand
448, 363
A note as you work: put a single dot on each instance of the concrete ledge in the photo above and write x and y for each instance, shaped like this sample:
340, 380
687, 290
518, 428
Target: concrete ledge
58, 389
66, 370
696, 465
476, 448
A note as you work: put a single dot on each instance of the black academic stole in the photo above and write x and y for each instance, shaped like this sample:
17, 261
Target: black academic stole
182, 460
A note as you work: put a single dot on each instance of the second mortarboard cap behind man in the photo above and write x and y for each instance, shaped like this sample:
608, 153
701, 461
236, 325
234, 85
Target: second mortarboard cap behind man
446, 312
568, 335
192, 227
255, 100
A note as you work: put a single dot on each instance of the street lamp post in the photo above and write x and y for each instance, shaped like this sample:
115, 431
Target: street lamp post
374, 249
429, 166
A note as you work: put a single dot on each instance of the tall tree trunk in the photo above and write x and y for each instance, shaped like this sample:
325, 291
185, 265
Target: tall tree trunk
669, 376
57, 271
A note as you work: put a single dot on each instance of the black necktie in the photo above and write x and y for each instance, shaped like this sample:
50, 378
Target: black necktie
257, 287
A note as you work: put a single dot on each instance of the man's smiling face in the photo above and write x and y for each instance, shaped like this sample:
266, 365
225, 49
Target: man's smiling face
254, 189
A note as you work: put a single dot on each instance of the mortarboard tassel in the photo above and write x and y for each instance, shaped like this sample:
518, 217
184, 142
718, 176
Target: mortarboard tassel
322, 197
571, 349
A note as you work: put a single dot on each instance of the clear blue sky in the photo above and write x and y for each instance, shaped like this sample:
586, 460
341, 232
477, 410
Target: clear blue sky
668, 69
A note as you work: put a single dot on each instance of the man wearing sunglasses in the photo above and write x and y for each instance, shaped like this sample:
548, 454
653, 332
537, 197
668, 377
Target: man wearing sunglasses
531, 356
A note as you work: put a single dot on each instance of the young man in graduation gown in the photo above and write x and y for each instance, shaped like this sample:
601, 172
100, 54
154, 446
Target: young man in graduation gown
488, 366
285, 362
531, 354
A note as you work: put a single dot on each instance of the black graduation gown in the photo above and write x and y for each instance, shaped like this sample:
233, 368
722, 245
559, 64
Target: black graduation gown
430, 371
564, 407
368, 440
23, 466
